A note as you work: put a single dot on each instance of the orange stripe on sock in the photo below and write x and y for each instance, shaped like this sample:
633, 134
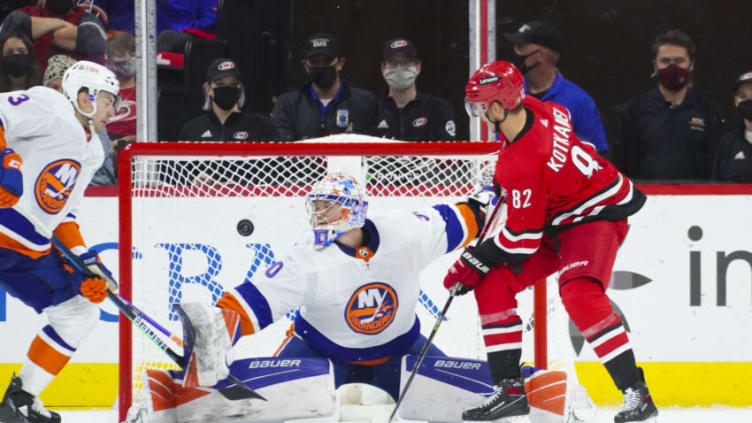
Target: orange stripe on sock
47, 357
229, 302
472, 225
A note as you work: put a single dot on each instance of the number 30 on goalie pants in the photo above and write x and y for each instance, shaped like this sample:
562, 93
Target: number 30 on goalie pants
446, 386
293, 387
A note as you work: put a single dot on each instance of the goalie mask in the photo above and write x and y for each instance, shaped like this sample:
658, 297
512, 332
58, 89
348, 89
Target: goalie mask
334, 206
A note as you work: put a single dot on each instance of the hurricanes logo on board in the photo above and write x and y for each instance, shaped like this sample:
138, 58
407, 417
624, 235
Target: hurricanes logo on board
371, 308
55, 184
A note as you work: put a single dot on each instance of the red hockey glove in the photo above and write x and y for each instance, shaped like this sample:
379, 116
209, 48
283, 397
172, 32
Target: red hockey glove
11, 179
468, 270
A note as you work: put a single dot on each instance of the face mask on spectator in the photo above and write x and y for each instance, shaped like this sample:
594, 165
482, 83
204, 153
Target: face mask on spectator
745, 109
324, 77
16, 64
401, 77
518, 60
59, 7
226, 97
123, 67
673, 77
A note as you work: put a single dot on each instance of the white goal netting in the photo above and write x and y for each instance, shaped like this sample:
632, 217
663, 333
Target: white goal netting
182, 203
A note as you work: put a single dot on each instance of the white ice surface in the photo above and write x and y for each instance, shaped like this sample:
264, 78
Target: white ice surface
605, 415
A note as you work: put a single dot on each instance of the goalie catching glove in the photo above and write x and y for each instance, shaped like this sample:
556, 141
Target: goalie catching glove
467, 271
11, 179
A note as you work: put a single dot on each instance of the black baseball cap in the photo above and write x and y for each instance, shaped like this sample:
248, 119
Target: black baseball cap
222, 67
537, 32
321, 44
745, 77
400, 45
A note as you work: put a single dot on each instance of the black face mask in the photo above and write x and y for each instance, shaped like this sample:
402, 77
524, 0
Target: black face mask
518, 61
324, 77
16, 64
745, 109
226, 97
59, 7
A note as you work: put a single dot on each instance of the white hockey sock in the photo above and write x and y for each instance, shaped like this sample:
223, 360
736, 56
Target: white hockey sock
34, 378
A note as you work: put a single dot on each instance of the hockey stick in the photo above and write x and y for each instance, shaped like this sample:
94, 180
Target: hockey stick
452, 293
140, 319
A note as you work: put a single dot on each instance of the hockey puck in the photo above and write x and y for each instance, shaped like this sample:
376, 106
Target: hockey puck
245, 227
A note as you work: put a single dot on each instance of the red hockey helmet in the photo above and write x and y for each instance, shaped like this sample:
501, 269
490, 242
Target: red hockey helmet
496, 81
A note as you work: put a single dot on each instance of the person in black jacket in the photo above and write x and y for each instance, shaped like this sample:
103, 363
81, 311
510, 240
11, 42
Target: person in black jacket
671, 131
326, 105
405, 114
733, 159
224, 121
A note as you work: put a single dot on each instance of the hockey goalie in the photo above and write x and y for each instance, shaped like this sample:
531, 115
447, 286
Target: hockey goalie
356, 285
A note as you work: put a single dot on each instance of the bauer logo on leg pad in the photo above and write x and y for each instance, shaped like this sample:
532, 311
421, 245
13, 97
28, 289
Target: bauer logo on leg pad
443, 387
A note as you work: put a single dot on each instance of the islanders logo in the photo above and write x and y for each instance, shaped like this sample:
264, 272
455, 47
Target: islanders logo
371, 308
55, 184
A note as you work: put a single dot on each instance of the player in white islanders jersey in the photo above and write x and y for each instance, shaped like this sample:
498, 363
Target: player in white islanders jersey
356, 285
49, 158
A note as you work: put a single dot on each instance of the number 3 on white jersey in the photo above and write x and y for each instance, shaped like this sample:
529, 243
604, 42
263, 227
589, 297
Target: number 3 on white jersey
521, 199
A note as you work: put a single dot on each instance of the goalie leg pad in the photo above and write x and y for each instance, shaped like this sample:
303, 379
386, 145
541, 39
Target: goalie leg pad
308, 381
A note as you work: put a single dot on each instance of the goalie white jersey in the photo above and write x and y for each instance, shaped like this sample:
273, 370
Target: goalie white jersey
58, 164
358, 305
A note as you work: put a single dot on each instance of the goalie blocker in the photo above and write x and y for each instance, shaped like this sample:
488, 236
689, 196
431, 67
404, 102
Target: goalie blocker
443, 387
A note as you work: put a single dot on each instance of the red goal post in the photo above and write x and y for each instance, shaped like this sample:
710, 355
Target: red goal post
160, 184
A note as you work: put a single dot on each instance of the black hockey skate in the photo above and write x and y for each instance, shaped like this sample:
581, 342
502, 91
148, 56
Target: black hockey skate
509, 400
638, 404
19, 406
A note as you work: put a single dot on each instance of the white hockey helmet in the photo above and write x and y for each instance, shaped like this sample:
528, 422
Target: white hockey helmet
334, 206
92, 76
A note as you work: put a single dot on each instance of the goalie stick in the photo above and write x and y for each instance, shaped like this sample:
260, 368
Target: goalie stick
140, 319
452, 294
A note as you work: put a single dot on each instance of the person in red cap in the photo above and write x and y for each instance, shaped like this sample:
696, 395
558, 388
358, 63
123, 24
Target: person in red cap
563, 208
733, 157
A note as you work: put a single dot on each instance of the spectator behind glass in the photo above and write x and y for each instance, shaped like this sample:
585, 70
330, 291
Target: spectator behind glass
406, 114
53, 78
17, 68
121, 60
326, 105
117, 15
671, 131
54, 28
537, 49
225, 121
733, 159
179, 21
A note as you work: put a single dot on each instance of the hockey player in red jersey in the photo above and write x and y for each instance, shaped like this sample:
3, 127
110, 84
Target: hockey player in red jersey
566, 211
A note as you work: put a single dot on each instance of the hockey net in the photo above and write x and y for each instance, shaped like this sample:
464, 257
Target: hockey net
180, 204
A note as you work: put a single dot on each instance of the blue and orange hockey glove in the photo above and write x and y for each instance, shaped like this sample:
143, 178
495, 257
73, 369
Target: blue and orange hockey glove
11, 178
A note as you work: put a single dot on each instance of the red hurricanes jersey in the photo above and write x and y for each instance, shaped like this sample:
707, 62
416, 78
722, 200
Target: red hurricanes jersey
551, 181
